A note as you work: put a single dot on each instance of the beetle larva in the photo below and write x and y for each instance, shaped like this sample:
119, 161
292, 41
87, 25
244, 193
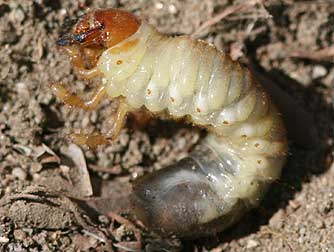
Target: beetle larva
229, 170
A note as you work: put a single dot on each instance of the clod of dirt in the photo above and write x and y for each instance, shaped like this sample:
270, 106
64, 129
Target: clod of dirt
84, 243
39, 208
40, 215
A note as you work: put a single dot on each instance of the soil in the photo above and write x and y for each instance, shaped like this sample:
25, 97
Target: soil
42, 174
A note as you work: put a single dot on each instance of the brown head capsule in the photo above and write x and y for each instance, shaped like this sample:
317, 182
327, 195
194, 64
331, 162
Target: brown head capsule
95, 32
103, 28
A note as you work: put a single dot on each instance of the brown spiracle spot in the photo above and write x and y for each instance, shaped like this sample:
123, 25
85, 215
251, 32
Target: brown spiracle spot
119, 62
172, 99
225, 122
198, 110
149, 91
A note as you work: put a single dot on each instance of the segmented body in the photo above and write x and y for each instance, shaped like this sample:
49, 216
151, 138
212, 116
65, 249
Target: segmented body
243, 152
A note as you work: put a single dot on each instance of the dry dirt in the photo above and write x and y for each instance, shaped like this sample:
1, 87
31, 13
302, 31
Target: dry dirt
290, 42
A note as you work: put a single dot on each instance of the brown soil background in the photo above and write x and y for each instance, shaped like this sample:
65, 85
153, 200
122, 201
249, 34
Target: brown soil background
297, 213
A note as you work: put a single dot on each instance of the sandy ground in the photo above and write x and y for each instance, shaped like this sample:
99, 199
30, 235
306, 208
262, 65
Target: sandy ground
290, 42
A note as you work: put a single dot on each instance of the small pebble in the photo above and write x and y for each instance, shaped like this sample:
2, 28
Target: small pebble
93, 117
105, 176
103, 219
85, 122
319, 224
28, 231
159, 5
172, 9
19, 173
119, 233
319, 71
35, 167
302, 231
63, 12
17, 15
252, 244
22, 89
3, 239
19, 234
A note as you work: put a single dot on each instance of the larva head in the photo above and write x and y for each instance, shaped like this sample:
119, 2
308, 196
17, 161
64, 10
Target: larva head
101, 28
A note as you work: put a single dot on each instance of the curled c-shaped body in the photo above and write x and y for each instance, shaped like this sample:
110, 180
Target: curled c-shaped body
229, 171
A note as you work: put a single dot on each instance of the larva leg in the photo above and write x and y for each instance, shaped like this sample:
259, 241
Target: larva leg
73, 100
94, 140
118, 120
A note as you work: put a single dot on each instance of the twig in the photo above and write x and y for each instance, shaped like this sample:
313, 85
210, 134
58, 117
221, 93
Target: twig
95, 236
121, 246
110, 170
126, 222
307, 2
228, 11
320, 55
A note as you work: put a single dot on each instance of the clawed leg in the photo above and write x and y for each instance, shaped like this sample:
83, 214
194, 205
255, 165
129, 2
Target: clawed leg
118, 120
73, 100
94, 140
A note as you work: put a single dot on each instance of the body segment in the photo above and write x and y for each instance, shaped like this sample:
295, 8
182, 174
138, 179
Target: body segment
244, 151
